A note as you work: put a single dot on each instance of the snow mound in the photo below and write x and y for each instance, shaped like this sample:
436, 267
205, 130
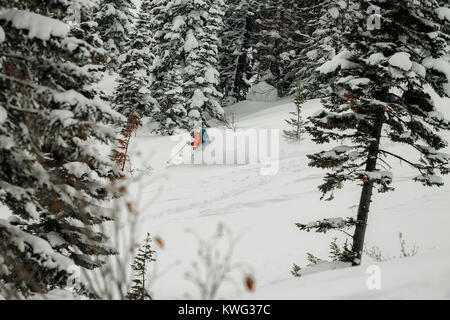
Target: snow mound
262, 92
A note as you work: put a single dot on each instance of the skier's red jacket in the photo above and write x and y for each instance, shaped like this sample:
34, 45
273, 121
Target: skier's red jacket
197, 139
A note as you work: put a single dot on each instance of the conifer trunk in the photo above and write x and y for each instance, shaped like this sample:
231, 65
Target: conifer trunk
144, 273
367, 190
238, 82
243, 61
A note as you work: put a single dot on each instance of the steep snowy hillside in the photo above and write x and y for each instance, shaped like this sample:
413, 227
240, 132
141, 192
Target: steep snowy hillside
262, 209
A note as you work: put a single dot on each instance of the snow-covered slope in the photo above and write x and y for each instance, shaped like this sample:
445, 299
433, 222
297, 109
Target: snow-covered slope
425, 276
262, 210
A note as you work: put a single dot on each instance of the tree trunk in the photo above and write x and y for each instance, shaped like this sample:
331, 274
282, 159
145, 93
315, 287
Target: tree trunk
243, 64
367, 190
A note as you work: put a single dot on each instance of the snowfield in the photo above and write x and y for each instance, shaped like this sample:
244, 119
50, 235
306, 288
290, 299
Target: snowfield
411, 278
223, 230
262, 212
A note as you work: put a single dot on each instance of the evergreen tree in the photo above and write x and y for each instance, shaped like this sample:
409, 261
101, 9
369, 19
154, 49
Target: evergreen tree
236, 50
52, 177
120, 155
444, 15
296, 121
140, 267
378, 90
186, 36
278, 34
324, 23
115, 24
172, 94
80, 17
132, 91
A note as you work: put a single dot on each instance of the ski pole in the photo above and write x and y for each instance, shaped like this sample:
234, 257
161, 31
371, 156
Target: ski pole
168, 161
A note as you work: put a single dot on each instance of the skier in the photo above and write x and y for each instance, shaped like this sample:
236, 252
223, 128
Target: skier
200, 138
205, 136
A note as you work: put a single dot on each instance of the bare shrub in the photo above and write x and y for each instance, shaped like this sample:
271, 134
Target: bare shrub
215, 266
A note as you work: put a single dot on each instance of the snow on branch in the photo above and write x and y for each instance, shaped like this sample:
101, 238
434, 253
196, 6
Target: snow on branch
444, 13
430, 181
341, 60
2, 35
26, 242
441, 65
328, 224
38, 26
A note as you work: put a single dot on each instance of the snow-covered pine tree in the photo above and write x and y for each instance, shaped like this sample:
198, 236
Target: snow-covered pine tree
296, 121
186, 36
80, 18
52, 176
172, 94
380, 96
444, 14
324, 23
115, 24
278, 37
132, 91
236, 58
140, 266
